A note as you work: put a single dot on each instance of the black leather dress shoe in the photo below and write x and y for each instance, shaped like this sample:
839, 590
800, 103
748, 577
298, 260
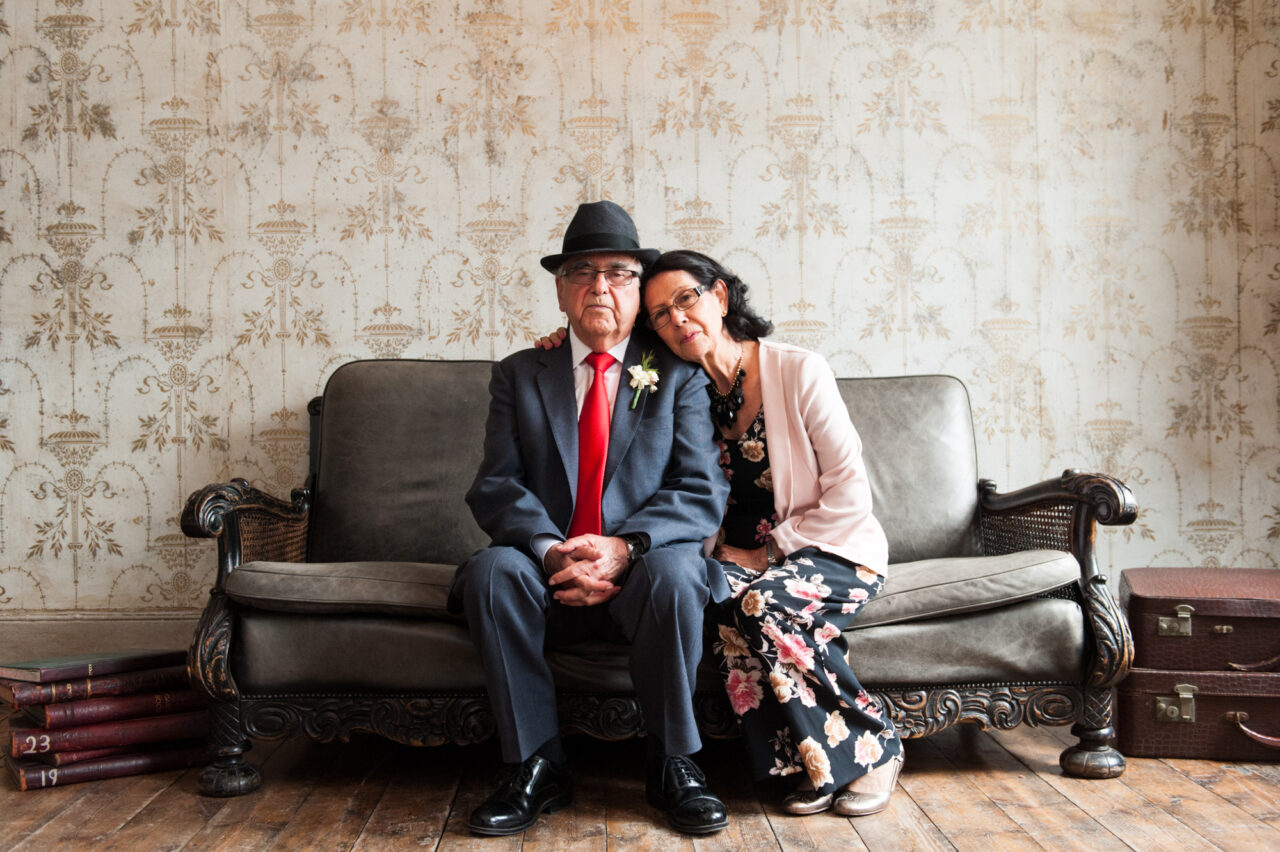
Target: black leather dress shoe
677, 786
531, 789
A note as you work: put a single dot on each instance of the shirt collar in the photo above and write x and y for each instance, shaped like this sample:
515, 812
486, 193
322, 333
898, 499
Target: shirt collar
581, 350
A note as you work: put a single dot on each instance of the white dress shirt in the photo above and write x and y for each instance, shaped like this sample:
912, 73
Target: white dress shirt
583, 373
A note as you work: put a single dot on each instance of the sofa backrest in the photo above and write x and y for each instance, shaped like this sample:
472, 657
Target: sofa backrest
919, 449
399, 442
396, 444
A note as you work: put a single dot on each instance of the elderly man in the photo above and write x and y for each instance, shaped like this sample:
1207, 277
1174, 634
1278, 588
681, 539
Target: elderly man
597, 494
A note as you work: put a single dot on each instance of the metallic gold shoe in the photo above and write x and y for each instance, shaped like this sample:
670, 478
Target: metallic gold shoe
805, 802
870, 793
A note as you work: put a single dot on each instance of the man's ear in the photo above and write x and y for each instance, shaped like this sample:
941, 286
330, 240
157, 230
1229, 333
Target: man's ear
560, 288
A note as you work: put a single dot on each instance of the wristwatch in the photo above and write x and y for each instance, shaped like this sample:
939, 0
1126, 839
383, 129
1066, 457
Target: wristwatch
637, 545
770, 554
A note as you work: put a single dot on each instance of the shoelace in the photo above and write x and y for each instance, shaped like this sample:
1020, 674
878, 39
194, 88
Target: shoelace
518, 777
686, 771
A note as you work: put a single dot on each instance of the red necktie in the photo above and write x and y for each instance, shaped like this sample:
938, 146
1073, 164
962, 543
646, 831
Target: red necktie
593, 449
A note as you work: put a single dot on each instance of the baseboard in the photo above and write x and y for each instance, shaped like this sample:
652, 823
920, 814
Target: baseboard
34, 635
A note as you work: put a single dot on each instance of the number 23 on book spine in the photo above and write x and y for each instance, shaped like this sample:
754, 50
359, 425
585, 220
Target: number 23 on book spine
37, 745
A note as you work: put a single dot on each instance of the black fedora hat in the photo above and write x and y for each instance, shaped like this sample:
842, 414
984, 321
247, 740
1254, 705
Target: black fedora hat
600, 226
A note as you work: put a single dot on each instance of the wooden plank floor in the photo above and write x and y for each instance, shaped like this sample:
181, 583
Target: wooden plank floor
963, 789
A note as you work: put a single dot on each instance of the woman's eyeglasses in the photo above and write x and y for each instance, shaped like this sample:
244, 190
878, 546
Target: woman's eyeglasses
683, 301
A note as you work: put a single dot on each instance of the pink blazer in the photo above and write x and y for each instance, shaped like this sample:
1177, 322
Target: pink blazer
820, 487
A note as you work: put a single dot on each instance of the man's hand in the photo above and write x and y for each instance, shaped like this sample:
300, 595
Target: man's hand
586, 568
755, 560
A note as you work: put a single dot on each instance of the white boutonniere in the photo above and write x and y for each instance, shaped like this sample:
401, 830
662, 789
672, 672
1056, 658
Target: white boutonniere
643, 377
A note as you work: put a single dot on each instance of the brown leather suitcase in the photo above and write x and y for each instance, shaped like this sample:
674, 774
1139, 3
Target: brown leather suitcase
1203, 619
1206, 675
1200, 714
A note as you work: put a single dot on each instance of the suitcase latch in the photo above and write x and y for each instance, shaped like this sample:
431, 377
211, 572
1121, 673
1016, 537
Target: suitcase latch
1179, 708
1178, 625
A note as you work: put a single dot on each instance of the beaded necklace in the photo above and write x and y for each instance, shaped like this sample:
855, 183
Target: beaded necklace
725, 406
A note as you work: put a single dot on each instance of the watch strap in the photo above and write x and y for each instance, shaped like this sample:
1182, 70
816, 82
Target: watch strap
637, 545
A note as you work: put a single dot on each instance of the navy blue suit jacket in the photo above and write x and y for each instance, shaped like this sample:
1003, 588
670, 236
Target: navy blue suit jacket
662, 475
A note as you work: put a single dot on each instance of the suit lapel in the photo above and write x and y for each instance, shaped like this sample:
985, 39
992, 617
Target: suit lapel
555, 386
625, 418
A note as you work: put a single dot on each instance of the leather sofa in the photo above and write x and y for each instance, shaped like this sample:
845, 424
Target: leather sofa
328, 612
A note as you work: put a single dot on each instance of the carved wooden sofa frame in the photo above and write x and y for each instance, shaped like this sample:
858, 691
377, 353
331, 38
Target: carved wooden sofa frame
254, 528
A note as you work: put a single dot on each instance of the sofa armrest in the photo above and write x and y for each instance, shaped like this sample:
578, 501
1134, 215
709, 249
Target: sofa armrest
1109, 498
1063, 514
1058, 513
249, 524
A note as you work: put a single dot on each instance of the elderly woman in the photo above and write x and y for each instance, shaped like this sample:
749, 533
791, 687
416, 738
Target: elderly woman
801, 548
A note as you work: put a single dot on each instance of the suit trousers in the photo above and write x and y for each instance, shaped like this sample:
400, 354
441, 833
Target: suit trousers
513, 618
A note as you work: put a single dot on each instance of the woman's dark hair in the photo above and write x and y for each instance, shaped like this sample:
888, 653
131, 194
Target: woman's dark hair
741, 322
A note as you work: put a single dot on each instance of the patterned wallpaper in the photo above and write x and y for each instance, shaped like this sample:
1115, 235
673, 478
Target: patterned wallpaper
207, 205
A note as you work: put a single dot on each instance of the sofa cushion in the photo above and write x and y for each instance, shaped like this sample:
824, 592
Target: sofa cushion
403, 588
304, 653
913, 590
280, 653
1039, 640
937, 587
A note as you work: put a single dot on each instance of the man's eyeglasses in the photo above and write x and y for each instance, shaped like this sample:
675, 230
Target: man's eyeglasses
616, 276
683, 301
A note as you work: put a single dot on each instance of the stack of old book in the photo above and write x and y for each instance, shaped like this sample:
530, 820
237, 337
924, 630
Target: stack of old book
105, 715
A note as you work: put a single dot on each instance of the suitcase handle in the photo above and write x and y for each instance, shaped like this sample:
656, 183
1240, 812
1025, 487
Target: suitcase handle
1240, 718
1263, 666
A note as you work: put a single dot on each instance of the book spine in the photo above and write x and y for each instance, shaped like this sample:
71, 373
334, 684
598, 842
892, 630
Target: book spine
65, 758
35, 776
148, 680
90, 710
92, 665
25, 742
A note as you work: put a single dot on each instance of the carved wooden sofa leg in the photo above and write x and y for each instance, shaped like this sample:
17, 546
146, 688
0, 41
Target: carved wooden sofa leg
209, 671
1095, 756
229, 774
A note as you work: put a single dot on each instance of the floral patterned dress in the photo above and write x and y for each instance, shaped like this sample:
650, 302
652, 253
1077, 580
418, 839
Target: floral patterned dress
781, 648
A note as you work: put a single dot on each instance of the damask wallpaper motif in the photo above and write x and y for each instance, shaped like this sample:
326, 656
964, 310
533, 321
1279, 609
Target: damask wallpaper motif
207, 205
